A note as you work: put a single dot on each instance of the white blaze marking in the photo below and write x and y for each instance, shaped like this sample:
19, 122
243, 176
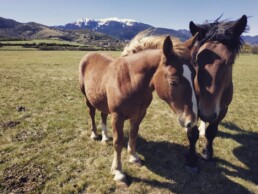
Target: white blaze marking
188, 75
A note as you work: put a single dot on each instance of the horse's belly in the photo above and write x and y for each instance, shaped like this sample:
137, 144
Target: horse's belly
98, 100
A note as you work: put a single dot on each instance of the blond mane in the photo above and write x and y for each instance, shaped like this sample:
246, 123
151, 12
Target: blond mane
145, 40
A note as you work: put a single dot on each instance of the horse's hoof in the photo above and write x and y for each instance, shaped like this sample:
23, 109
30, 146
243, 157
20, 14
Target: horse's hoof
135, 160
209, 160
193, 170
94, 136
119, 176
104, 141
137, 163
206, 156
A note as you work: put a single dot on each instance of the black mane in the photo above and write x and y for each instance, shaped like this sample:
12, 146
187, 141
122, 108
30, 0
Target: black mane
221, 32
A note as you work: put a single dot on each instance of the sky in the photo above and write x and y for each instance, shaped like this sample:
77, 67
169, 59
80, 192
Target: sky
173, 14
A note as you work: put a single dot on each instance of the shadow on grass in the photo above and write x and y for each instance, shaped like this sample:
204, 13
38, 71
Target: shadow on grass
247, 152
166, 159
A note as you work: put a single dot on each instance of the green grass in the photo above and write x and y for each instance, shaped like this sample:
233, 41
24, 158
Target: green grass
47, 149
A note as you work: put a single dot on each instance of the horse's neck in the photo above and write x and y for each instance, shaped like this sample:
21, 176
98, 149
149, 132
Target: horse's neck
145, 61
143, 66
153, 58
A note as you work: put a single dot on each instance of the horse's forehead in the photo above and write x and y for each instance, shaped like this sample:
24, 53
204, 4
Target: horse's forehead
218, 50
173, 69
214, 46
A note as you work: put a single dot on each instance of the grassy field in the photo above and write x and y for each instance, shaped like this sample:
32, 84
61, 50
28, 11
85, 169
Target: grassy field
45, 145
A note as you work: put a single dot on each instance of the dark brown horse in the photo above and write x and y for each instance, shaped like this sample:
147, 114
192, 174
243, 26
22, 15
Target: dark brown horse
123, 88
219, 44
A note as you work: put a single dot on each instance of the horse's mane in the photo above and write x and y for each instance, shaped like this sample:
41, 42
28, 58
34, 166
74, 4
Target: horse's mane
145, 40
142, 41
221, 31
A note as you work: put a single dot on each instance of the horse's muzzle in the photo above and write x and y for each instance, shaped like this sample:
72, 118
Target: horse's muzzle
187, 123
208, 118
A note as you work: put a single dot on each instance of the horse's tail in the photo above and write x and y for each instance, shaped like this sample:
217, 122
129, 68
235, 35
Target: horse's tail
82, 67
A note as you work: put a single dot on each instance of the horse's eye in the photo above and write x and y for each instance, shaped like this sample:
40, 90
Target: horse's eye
173, 83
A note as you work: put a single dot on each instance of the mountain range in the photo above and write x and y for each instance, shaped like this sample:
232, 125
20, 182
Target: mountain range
122, 29
86, 30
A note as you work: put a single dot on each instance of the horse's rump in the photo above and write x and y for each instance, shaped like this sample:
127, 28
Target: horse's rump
94, 65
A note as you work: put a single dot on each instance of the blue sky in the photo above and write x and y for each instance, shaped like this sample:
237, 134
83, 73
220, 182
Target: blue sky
175, 14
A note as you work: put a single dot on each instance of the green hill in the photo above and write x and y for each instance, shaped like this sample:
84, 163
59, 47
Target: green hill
12, 30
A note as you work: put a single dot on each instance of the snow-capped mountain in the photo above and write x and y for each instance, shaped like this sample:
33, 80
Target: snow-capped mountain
126, 29
119, 28
123, 29
100, 22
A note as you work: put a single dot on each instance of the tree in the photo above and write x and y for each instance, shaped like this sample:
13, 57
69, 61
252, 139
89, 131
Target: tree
246, 48
254, 49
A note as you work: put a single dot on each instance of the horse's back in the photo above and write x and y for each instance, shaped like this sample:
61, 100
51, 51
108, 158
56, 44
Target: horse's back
94, 61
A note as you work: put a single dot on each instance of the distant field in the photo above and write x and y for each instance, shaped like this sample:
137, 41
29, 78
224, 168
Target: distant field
40, 41
32, 45
45, 145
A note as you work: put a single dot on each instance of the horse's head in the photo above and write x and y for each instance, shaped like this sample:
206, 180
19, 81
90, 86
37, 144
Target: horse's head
219, 44
174, 80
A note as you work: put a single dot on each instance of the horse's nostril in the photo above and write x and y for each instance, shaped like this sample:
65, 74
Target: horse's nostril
208, 118
189, 125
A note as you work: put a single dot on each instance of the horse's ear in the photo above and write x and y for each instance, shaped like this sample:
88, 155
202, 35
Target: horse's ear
193, 28
239, 26
167, 46
191, 42
196, 29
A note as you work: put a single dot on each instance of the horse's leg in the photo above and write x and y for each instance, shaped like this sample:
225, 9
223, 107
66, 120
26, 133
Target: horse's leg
118, 140
202, 128
191, 157
104, 127
135, 123
92, 111
210, 135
